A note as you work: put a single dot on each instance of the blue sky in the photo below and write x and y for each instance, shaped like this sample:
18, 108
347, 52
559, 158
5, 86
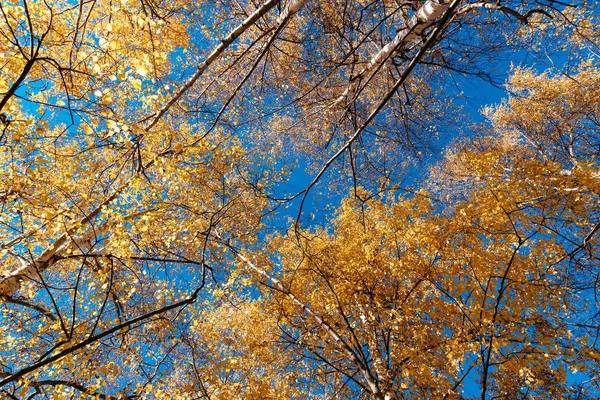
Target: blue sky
468, 93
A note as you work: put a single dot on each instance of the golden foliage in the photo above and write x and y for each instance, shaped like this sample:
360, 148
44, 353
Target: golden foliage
144, 146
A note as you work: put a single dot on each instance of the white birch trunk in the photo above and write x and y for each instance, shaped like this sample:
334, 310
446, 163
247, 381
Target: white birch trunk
10, 281
341, 343
292, 8
423, 18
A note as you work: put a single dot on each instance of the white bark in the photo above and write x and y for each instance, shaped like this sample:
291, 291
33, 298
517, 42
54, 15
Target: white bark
292, 8
370, 379
425, 17
10, 281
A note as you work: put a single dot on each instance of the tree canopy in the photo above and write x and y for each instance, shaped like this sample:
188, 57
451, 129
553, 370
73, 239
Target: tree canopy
296, 199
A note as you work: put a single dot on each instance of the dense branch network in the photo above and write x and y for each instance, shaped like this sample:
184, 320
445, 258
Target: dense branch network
148, 148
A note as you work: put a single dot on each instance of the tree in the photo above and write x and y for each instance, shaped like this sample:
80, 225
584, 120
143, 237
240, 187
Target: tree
408, 298
142, 162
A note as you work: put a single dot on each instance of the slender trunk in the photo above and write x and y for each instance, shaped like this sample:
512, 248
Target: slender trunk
425, 17
292, 8
11, 281
371, 380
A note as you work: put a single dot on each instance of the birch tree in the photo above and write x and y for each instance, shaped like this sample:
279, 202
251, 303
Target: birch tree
492, 295
144, 146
